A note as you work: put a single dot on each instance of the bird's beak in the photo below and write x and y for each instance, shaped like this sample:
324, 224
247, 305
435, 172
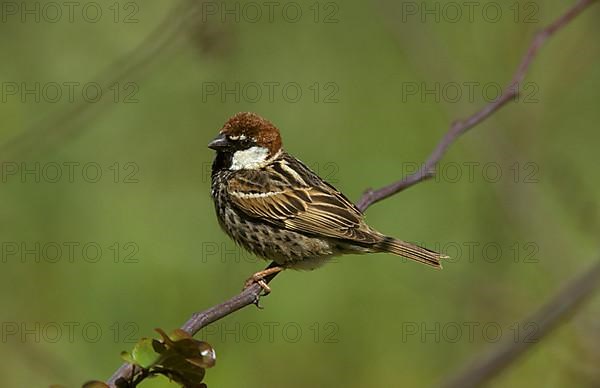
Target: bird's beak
219, 143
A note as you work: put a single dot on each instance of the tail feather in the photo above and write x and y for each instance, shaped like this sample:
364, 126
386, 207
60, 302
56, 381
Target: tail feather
411, 251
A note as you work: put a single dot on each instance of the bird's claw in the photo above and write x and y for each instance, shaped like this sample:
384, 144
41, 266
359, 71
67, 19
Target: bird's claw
259, 278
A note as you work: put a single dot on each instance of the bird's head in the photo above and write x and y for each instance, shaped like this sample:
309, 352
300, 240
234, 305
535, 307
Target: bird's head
249, 140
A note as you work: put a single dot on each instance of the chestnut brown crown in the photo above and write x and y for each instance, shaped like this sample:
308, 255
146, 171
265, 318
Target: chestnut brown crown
245, 130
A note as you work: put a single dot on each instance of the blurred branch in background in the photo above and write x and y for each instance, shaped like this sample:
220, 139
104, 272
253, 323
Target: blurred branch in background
50, 132
565, 303
548, 317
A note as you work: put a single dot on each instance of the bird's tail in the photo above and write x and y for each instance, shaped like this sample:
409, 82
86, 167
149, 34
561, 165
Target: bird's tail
411, 251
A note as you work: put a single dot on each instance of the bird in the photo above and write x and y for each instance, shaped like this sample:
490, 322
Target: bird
277, 208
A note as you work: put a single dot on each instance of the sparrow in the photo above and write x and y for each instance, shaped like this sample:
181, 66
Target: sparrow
275, 207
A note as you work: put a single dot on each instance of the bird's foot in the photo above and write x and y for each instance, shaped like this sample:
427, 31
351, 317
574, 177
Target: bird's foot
259, 278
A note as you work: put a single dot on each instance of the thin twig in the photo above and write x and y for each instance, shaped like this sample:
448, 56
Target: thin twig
459, 127
547, 318
251, 294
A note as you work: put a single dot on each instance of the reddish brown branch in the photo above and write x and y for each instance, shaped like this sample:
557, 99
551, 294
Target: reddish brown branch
251, 294
461, 126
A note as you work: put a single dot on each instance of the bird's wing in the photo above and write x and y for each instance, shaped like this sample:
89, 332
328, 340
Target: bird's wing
291, 196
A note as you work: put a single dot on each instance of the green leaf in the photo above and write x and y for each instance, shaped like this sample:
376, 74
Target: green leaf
143, 354
177, 356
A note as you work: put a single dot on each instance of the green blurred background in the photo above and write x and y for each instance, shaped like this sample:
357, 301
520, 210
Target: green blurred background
165, 69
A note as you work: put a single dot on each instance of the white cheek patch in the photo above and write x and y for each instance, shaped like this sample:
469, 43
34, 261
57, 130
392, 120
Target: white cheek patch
249, 159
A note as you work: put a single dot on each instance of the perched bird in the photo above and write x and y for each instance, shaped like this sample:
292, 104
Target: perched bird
274, 206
